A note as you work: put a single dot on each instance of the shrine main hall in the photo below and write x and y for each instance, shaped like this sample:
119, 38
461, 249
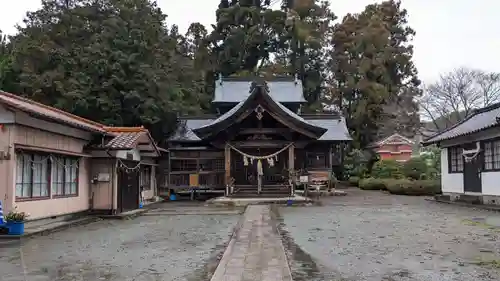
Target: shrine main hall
257, 144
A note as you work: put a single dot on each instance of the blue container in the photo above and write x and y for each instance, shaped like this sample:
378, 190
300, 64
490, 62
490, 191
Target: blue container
289, 202
173, 197
15, 228
141, 205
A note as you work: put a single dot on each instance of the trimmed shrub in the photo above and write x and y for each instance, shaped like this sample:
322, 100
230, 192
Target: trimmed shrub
416, 187
387, 169
355, 164
416, 168
372, 184
354, 181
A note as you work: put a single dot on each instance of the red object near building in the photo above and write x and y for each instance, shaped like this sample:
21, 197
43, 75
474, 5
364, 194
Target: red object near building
395, 147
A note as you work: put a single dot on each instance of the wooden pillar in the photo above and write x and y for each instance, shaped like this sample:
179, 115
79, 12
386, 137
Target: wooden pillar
291, 167
169, 169
330, 157
330, 166
227, 157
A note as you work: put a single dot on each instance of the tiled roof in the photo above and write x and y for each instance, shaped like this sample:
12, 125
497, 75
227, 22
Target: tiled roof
127, 137
336, 128
32, 107
261, 88
234, 90
481, 119
125, 140
125, 129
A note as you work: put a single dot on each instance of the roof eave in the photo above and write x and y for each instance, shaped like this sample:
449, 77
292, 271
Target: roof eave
62, 122
206, 131
95, 127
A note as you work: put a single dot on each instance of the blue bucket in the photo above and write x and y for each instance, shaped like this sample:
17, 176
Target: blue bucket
15, 228
173, 197
289, 202
1, 215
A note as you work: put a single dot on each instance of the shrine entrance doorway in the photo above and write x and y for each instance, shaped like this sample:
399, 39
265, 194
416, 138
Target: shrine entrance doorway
261, 171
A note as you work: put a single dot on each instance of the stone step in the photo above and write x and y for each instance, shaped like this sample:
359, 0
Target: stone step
266, 187
262, 189
253, 195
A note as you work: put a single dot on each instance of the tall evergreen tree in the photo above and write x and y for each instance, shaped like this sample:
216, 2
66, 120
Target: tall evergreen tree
6, 74
250, 36
372, 70
111, 61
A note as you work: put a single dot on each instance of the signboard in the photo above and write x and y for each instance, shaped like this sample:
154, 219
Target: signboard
304, 179
193, 180
103, 177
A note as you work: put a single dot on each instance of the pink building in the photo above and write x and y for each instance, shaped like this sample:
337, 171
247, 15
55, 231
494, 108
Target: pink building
395, 147
54, 163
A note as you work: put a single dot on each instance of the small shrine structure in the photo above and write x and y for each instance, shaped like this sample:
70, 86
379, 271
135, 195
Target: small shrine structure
259, 142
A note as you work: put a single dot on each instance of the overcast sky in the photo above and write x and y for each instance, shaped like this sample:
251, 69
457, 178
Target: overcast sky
450, 33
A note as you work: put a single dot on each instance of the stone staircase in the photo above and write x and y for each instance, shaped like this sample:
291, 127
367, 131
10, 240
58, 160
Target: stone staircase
268, 191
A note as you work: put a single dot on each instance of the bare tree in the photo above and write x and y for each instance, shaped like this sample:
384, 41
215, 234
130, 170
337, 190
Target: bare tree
456, 94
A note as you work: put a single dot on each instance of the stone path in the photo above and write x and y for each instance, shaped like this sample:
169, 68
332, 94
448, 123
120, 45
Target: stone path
255, 251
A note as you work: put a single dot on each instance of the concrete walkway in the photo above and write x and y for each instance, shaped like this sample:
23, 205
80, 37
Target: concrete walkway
255, 251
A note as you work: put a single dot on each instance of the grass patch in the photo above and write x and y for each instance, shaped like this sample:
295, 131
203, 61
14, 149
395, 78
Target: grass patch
480, 224
494, 263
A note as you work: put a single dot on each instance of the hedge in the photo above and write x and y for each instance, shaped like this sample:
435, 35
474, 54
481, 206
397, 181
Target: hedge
354, 181
415, 187
372, 184
402, 186
387, 169
416, 168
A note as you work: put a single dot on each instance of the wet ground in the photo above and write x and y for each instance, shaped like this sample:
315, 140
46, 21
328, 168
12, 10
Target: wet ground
377, 237
364, 236
164, 245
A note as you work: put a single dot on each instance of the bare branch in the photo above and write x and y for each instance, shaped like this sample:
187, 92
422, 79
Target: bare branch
456, 94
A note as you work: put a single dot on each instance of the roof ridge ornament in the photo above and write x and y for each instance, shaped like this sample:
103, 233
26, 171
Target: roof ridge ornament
220, 79
296, 79
259, 83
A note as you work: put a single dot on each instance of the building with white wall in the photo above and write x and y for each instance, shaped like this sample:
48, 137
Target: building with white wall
470, 157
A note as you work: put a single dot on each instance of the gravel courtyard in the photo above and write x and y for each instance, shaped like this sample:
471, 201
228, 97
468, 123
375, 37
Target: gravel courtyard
377, 237
153, 247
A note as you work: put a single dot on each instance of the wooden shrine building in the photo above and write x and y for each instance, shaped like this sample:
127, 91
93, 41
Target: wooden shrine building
257, 144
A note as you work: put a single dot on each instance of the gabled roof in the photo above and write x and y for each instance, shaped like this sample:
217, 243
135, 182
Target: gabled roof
126, 138
281, 89
258, 90
479, 120
335, 125
52, 113
394, 138
336, 128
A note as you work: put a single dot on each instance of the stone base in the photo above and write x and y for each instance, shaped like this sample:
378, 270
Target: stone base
478, 199
229, 201
125, 215
313, 193
488, 202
